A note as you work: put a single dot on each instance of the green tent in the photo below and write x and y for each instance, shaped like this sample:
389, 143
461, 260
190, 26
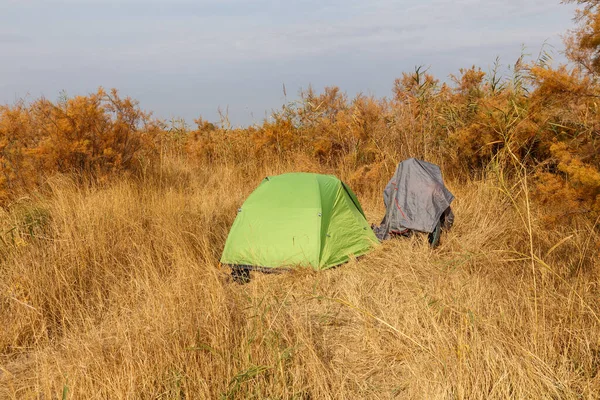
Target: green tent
298, 219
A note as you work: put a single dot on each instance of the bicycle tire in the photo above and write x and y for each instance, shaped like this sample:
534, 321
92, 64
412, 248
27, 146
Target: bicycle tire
434, 237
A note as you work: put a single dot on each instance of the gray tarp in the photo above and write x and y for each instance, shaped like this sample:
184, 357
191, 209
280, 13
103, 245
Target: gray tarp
415, 199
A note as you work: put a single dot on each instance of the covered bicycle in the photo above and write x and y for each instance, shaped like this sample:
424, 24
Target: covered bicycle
416, 200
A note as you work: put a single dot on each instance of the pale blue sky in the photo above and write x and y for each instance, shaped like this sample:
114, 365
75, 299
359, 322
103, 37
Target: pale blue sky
187, 58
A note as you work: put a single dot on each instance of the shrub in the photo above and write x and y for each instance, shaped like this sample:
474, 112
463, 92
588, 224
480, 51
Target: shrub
94, 136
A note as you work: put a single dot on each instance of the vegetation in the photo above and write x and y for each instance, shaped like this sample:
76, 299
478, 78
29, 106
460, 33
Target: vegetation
112, 225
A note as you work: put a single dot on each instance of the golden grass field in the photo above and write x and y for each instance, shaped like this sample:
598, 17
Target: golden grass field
115, 291
112, 225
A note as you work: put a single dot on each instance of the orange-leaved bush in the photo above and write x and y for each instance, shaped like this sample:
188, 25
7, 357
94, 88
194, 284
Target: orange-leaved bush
94, 135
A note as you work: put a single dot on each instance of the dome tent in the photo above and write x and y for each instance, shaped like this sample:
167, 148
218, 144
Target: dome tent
298, 219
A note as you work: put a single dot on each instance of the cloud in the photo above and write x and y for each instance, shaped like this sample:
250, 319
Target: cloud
181, 43
13, 38
431, 26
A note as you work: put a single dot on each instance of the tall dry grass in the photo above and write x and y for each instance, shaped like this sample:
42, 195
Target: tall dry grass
112, 225
115, 291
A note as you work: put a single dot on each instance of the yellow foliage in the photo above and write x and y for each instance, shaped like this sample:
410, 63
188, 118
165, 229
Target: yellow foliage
549, 128
583, 43
93, 135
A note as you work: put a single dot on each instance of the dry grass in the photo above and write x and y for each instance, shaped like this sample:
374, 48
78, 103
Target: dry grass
116, 292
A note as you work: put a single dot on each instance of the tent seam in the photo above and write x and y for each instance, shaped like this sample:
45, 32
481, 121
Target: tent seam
319, 247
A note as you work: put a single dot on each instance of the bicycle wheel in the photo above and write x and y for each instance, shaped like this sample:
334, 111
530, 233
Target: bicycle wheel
434, 237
